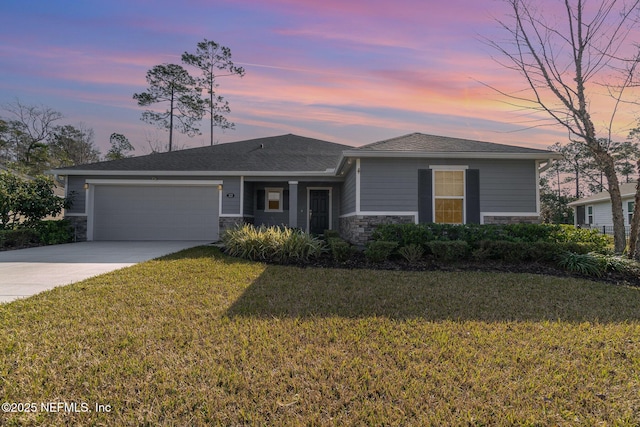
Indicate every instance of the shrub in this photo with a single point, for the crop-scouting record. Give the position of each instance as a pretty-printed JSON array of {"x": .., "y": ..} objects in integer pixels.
[
  {"x": 406, "y": 234},
  {"x": 341, "y": 250},
  {"x": 449, "y": 251},
  {"x": 591, "y": 238},
  {"x": 543, "y": 251},
  {"x": 518, "y": 251},
  {"x": 586, "y": 264},
  {"x": 530, "y": 232},
  {"x": 512, "y": 242},
  {"x": 496, "y": 250},
  {"x": 412, "y": 252},
  {"x": 379, "y": 251},
  {"x": 331, "y": 234},
  {"x": 617, "y": 264},
  {"x": 403, "y": 234},
  {"x": 25, "y": 202},
  {"x": 18, "y": 238},
  {"x": 298, "y": 245},
  {"x": 575, "y": 247},
  {"x": 54, "y": 232},
  {"x": 271, "y": 243},
  {"x": 421, "y": 234}
]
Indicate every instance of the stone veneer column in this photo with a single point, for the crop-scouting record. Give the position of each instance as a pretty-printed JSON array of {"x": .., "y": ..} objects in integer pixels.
[
  {"x": 511, "y": 220},
  {"x": 225, "y": 223},
  {"x": 79, "y": 224},
  {"x": 357, "y": 229}
]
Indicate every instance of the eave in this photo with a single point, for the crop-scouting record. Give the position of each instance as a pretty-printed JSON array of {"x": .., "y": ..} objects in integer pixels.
[
  {"x": 444, "y": 155},
  {"x": 71, "y": 172}
]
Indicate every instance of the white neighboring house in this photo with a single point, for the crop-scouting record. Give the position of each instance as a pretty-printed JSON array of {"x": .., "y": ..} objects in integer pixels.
[{"x": 595, "y": 211}]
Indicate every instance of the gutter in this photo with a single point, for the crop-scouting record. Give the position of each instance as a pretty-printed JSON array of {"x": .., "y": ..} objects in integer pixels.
[
  {"x": 450, "y": 155},
  {"x": 68, "y": 172}
]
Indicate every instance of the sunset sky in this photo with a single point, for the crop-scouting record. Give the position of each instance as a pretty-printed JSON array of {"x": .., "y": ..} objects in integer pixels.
[{"x": 352, "y": 72}]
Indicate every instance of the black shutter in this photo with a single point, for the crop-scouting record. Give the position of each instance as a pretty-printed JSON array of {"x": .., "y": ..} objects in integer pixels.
[
  {"x": 425, "y": 196},
  {"x": 285, "y": 202},
  {"x": 260, "y": 205},
  {"x": 472, "y": 193}
]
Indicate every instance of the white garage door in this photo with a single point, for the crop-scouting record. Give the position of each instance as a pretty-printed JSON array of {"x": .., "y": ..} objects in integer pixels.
[{"x": 155, "y": 212}]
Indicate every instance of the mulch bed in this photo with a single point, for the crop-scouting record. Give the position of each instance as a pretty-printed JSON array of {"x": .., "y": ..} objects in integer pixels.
[{"x": 359, "y": 261}]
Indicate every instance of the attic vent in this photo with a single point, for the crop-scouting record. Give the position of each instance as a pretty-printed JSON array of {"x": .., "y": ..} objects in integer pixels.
[{"x": 261, "y": 145}]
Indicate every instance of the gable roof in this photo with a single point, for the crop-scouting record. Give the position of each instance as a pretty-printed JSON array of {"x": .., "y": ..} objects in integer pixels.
[
  {"x": 434, "y": 145},
  {"x": 297, "y": 155},
  {"x": 627, "y": 190},
  {"x": 284, "y": 153}
]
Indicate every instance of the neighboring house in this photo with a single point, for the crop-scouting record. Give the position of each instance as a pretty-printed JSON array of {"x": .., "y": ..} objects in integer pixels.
[
  {"x": 314, "y": 185},
  {"x": 595, "y": 211}
]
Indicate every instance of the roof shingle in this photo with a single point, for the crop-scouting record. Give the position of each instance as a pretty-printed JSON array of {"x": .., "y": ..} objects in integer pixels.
[
  {"x": 287, "y": 153},
  {"x": 419, "y": 142}
]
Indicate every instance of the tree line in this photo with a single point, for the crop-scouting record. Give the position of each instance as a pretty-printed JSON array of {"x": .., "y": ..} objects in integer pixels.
[{"x": 32, "y": 140}]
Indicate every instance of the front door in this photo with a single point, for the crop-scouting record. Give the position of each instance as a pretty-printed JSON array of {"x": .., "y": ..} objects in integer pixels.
[{"x": 318, "y": 211}]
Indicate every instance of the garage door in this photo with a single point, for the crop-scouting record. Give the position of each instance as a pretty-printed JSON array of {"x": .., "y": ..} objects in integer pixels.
[{"x": 155, "y": 212}]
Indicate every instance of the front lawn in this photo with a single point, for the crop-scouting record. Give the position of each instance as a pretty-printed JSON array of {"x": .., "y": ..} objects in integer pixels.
[{"x": 199, "y": 338}]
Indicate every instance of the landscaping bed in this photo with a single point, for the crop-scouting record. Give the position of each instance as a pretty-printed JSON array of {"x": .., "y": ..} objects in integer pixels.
[
  {"x": 359, "y": 261},
  {"x": 554, "y": 250}
]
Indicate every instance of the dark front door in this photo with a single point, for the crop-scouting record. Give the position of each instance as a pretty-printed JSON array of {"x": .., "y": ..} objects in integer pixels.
[{"x": 318, "y": 211}]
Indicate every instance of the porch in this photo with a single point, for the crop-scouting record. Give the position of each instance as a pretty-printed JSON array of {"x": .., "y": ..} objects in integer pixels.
[{"x": 312, "y": 206}]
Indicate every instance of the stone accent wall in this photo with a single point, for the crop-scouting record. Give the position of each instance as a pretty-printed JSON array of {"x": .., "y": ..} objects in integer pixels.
[
  {"x": 358, "y": 229},
  {"x": 79, "y": 224},
  {"x": 229, "y": 222},
  {"x": 511, "y": 219}
]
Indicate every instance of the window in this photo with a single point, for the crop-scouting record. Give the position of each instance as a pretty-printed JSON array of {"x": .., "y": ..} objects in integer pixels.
[
  {"x": 449, "y": 196},
  {"x": 590, "y": 215},
  {"x": 273, "y": 200},
  {"x": 630, "y": 207}
]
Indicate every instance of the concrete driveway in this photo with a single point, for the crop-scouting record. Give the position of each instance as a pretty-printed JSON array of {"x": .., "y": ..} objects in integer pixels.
[{"x": 26, "y": 272}]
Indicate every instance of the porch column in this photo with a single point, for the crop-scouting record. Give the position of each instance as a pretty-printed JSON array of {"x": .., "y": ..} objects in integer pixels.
[{"x": 293, "y": 204}]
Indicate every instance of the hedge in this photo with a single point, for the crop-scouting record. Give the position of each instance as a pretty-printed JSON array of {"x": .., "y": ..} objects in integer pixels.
[
  {"x": 473, "y": 234},
  {"x": 41, "y": 233}
]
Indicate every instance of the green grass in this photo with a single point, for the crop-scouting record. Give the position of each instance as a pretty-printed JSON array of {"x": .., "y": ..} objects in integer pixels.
[{"x": 198, "y": 338}]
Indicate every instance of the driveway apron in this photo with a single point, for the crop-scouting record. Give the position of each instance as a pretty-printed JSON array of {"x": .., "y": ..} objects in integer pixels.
[{"x": 26, "y": 272}]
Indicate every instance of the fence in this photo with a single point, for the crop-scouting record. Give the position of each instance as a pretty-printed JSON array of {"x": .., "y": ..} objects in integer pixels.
[{"x": 608, "y": 229}]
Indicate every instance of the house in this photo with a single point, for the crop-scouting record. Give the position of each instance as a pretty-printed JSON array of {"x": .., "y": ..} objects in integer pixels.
[
  {"x": 196, "y": 194},
  {"x": 595, "y": 211}
]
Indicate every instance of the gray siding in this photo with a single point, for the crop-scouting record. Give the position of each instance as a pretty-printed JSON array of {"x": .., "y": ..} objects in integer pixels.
[
  {"x": 269, "y": 218},
  {"x": 78, "y": 193},
  {"x": 508, "y": 186},
  {"x": 231, "y": 205},
  {"x": 348, "y": 196},
  {"x": 391, "y": 185}
]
